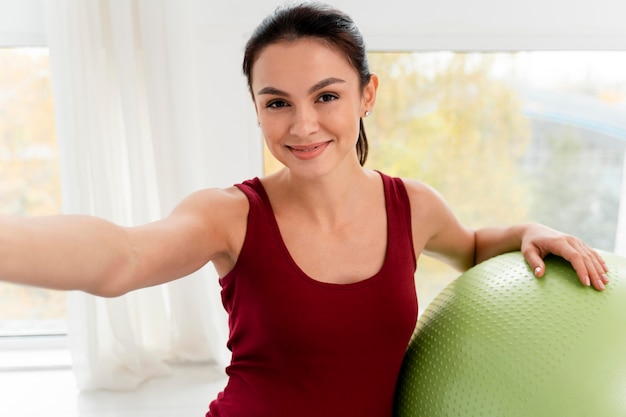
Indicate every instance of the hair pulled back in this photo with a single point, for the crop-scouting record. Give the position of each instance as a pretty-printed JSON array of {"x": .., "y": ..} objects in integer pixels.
[{"x": 319, "y": 21}]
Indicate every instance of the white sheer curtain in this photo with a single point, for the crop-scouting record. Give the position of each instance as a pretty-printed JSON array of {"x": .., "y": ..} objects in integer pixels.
[{"x": 132, "y": 143}]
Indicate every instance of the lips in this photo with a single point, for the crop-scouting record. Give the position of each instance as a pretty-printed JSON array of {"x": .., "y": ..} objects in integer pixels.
[
  {"x": 309, "y": 148},
  {"x": 308, "y": 151}
]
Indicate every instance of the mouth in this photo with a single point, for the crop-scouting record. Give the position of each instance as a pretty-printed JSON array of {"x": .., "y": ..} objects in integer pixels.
[
  {"x": 309, "y": 148},
  {"x": 308, "y": 151}
]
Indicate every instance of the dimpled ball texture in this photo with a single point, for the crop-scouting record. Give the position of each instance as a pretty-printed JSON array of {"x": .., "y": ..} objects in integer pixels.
[{"x": 499, "y": 342}]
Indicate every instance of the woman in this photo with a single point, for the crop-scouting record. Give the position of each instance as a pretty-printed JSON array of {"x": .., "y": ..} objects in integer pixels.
[{"x": 317, "y": 260}]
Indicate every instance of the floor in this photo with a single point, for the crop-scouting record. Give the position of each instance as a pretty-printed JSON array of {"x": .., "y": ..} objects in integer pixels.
[{"x": 52, "y": 393}]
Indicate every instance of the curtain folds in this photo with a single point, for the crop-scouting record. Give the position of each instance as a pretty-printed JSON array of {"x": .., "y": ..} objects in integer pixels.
[{"x": 128, "y": 120}]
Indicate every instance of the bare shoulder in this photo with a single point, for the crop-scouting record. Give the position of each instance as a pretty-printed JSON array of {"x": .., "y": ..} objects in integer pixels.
[
  {"x": 427, "y": 206},
  {"x": 214, "y": 202},
  {"x": 430, "y": 213},
  {"x": 423, "y": 197},
  {"x": 220, "y": 213},
  {"x": 210, "y": 225},
  {"x": 436, "y": 230}
]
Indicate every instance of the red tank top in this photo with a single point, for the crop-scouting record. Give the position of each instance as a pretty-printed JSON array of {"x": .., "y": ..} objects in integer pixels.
[{"x": 301, "y": 347}]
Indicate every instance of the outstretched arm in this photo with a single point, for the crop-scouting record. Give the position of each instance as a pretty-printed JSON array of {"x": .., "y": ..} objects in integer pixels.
[
  {"x": 94, "y": 255},
  {"x": 64, "y": 252}
]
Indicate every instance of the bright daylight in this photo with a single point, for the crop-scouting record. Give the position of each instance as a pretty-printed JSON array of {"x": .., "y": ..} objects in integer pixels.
[{"x": 305, "y": 209}]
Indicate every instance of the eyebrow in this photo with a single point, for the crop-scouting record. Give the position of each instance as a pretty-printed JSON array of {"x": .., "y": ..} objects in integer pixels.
[{"x": 317, "y": 86}]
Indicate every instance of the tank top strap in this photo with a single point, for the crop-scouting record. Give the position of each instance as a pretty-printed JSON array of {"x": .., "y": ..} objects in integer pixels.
[
  {"x": 254, "y": 191},
  {"x": 261, "y": 214},
  {"x": 259, "y": 222},
  {"x": 398, "y": 214}
]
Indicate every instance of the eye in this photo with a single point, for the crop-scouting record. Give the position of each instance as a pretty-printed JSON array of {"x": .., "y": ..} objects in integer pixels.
[
  {"x": 276, "y": 104},
  {"x": 327, "y": 97}
]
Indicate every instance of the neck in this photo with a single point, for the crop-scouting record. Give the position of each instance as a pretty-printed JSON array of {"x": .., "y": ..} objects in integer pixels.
[{"x": 329, "y": 200}]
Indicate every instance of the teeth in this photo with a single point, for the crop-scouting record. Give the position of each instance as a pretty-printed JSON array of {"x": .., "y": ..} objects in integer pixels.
[{"x": 307, "y": 149}]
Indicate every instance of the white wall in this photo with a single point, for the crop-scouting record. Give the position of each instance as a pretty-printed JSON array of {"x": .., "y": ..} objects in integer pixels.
[
  {"x": 454, "y": 24},
  {"x": 494, "y": 24},
  {"x": 22, "y": 23}
]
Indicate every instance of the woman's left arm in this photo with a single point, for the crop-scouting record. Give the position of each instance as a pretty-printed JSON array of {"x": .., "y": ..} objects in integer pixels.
[
  {"x": 535, "y": 242},
  {"x": 438, "y": 233}
]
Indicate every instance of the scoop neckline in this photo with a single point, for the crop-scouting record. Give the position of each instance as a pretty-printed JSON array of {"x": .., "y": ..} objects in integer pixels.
[{"x": 300, "y": 272}]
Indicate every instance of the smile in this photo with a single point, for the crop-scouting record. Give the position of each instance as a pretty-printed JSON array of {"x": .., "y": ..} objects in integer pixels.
[{"x": 308, "y": 151}]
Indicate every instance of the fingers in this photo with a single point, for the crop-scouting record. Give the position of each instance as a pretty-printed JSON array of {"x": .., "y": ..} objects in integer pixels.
[
  {"x": 534, "y": 256},
  {"x": 589, "y": 265},
  {"x": 536, "y": 263},
  {"x": 597, "y": 271}
]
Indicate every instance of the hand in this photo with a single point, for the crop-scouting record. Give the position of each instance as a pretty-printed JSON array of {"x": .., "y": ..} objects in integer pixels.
[{"x": 539, "y": 241}]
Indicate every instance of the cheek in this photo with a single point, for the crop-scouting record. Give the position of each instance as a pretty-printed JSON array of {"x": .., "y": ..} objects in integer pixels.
[
  {"x": 272, "y": 132},
  {"x": 344, "y": 123},
  {"x": 345, "y": 115}
]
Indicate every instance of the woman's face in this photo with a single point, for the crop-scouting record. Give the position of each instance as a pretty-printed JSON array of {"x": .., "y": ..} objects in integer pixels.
[{"x": 309, "y": 102}]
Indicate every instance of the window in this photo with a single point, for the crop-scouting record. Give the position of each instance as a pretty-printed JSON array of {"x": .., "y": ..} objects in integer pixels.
[
  {"x": 506, "y": 138},
  {"x": 29, "y": 179}
]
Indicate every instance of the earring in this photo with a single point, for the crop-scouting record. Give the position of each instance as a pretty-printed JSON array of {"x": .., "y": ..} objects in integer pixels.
[
  {"x": 367, "y": 113},
  {"x": 258, "y": 124}
]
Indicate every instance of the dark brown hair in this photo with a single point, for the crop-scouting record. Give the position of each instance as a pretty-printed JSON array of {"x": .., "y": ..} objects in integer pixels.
[{"x": 315, "y": 20}]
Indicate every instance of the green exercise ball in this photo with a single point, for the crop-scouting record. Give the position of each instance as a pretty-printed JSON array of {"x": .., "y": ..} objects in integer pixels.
[{"x": 498, "y": 342}]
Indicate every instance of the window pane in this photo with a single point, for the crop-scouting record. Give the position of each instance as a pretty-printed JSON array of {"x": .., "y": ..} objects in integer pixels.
[
  {"x": 29, "y": 178},
  {"x": 506, "y": 137}
]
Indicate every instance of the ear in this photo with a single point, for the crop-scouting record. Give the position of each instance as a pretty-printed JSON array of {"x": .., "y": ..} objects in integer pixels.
[{"x": 369, "y": 93}]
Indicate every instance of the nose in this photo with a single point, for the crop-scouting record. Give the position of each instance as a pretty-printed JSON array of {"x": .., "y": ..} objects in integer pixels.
[{"x": 305, "y": 122}]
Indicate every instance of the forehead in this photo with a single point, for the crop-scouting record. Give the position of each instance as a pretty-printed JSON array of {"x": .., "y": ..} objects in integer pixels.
[{"x": 300, "y": 63}]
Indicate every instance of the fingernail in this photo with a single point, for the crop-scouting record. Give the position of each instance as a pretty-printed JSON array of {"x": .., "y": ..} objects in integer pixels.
[
  {"x": 601, "y": 285},
  {"x": 537, "y": 270},
  {"x": 587, "y": 281},
  {"x": 605, "y": 278}
]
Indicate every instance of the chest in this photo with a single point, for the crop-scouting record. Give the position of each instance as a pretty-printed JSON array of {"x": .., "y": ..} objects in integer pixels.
[{"x": 345, "y": 255}]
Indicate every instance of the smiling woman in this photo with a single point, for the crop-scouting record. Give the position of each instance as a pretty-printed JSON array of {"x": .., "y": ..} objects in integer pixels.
[
  {"x": 317, "y": 261},
  {"x": 315, "y": 116}
]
